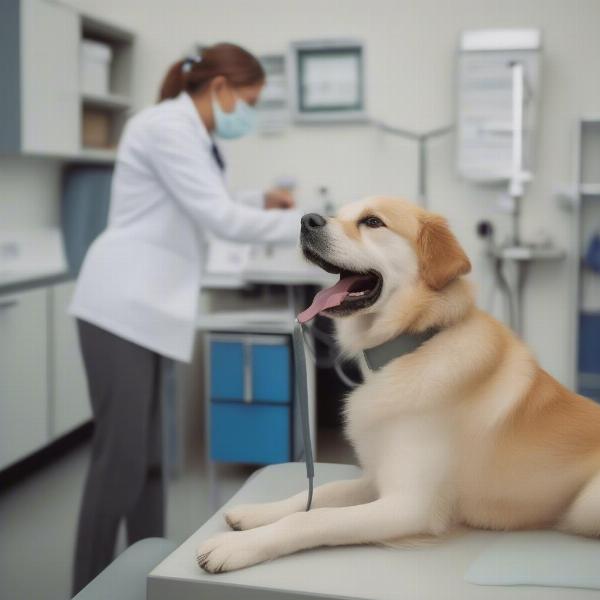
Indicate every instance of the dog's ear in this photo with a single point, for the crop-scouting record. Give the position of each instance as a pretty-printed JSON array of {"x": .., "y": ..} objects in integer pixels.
[{"x": 441, "y": 258}]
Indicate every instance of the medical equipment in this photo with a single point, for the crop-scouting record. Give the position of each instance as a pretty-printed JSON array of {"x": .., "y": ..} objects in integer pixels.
[
  {"x": 327, "y": 81},
  {"x": 235, "y": 124},
  {"x": 273, "y": 107},
  {"x": 498, "y": 77}
]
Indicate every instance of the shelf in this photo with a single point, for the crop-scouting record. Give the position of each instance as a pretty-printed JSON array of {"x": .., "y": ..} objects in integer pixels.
[
  {"x": 102, "y": 31},
  {"x": 96, "y": 155},
  {"x": 528, "y": 253},
  {"x": 108, "y": 101},
  {"x": 589, "y": 189},
  {"x": 569, "y": 197},
  {"x": 103, "y": 115}
]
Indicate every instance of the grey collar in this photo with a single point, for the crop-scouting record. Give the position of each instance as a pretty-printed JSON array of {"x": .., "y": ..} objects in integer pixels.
[{"x": 405, "y": 343}]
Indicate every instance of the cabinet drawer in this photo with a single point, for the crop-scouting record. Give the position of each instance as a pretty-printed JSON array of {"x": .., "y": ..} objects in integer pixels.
[
  {"x": 250, "y": 369},
  {"x": 23, "y": 375},
  {"x": 271, "y": 372},
  {"x": 227, "y": 370},
  {"x": 250, "y": 433}
]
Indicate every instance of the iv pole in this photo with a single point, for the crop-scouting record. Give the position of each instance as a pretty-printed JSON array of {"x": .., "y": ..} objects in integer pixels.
[
  {"x": 421, "y": 139},
  {"x": 516, "y": 190},
  {"x": 521, "y": 255}
]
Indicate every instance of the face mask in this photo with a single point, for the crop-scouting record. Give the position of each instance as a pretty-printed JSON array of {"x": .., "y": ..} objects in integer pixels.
[{"x": 235, "y": 124}]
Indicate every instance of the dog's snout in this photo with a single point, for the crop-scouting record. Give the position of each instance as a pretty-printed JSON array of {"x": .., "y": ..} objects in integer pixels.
[{"x": 313, "y": 221}]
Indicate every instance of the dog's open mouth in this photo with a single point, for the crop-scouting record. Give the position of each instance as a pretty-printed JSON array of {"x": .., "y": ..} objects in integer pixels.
[{"x": 354, "y": 290}]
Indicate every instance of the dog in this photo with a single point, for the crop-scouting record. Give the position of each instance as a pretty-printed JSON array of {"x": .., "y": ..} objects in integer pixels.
[{"x": 466, "y": 430}]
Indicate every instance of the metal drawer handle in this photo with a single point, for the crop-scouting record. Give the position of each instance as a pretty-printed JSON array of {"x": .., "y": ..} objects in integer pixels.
[
  {"x": 247, "y": 372},
  {"x": 8, "y": 303}
]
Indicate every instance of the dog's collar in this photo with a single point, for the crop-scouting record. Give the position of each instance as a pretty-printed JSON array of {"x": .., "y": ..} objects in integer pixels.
[{"x": 405, "y": 343}]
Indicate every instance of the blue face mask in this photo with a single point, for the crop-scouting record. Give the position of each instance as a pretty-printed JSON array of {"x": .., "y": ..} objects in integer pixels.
[{"x": 235, "y": 124}]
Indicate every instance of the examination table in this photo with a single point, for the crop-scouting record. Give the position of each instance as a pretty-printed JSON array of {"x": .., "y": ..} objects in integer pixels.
[{"x": 449, "y": 569}]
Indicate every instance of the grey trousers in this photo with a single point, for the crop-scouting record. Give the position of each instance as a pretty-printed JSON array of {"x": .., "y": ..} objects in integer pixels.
[{"x": 125, "y": 477}]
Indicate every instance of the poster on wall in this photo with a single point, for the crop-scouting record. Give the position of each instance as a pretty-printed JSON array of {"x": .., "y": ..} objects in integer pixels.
[{"x": 328, "y": 81}]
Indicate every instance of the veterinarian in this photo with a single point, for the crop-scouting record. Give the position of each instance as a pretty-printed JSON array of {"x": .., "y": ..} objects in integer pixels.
[{"x": 136, "y": 298}]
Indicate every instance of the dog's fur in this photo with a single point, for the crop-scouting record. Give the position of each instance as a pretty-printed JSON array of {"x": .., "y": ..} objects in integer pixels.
[{"x": 466, "y": 430}]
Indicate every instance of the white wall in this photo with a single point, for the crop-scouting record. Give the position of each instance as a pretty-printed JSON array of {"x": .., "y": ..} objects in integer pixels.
[{"x": 411, "y": 56}]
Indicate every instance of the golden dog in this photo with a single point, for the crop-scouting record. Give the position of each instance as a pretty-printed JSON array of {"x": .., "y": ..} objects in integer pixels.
[{"x": 466, "y": 430}]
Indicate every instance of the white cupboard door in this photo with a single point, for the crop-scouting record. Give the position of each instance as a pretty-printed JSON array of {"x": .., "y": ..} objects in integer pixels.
[
  {"x": 70, "y": 402},
  {"x": 51, "y": 111},
  {"x": 23, "y": 375}
]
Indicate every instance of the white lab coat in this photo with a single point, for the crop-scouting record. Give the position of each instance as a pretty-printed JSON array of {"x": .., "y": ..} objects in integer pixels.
[{"x": 141, "y": 277}]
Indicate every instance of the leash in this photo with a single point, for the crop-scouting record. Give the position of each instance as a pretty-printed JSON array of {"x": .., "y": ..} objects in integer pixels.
[
  {"x": 302, "y": 395},
  {"x": 376, "y": 358}
]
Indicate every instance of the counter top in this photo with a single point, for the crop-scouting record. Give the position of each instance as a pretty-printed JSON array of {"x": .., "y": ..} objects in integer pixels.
[
  {"x": 11, "y": 282},
  {"x": 273, "y": 277},
  {"x": 276, "y": 320}
]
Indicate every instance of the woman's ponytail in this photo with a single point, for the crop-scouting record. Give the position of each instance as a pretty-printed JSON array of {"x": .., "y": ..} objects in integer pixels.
[
  {"x": 174, "y": 82},
  {"x": 233, "y": 62}
]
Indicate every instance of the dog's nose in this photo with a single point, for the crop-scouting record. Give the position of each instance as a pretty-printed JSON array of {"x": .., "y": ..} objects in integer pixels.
[{"x": 313, "y": 221}]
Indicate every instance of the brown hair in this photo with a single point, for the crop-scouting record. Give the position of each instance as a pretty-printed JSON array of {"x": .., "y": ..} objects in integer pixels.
[{"x": 236, "y": 64}]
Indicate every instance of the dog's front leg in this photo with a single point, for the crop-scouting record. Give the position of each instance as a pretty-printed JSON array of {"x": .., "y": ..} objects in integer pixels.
[
  {"x": 387, "y": 518},
  {"x": 337, "y": 493}
]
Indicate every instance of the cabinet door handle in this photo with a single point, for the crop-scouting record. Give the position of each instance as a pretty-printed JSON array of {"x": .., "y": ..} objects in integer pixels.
[
  {"x": 8, "y": 303},
  {"x": 247, "y": 373}
]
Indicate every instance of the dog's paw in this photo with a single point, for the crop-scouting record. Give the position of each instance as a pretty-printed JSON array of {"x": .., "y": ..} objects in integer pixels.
[
  {"x": 250, "y": 516},
  {"x": 230, "y": 551}
]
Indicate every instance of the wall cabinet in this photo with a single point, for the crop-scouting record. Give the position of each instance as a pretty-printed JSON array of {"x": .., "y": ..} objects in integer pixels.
[
  {"x": 23, "y": 375},
  {"x": 42, "y": 103},
  {"x": 39, "y": 106}
]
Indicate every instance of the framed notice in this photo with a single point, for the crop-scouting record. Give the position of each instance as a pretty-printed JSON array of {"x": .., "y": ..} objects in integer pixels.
[{"x": 328, "y": 81}]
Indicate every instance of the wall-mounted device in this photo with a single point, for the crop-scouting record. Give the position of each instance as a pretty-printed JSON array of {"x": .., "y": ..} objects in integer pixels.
[
  {"x": 327, "y": 81},
  {"x": 498, "y": 80},
  {"x": 272, "y": 108}
]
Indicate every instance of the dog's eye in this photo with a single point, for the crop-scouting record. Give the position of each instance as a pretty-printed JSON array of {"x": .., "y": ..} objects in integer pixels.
[{"x": 372, "y": 221}]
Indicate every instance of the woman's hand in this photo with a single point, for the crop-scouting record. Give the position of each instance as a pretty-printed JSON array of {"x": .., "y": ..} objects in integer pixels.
[{"x": 279, "y": 198}]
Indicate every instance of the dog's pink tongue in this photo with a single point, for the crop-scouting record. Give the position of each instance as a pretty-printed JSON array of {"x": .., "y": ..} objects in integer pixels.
[{"x": 328, "y": 298}]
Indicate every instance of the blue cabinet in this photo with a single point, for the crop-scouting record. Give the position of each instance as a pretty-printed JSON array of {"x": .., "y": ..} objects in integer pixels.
[
  {"x": 250, "y": 398},
  {"x": 271, "y": 372},
  {"x": 589, "y": 355},
  {"x": 226, "y": 370}
]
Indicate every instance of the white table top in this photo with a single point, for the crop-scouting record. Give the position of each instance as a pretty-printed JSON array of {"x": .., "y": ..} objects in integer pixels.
[
  {"x": 267, "y": 264},
  {"x": 247, "y": 277},
  {"x": 428, "y": 572},
  {"x": 248, "y": 321}
]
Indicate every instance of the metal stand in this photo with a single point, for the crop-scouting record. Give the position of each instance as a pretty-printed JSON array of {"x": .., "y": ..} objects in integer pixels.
[
  {"x": 516, "y": 189},
  {"x": 421, "y": 139},
  {"x": 512, "y": 287}
]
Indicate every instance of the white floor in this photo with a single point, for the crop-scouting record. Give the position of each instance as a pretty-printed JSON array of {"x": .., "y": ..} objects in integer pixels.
[{"x": 38, "y": 517}]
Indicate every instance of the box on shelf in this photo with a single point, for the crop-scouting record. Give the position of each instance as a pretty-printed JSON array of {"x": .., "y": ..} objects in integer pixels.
[
  {"x": 96, "y": 126},
  {"x": 95, "y": 62}
]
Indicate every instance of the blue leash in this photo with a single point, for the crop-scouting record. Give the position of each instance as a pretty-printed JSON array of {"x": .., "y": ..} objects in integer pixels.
[{"x": 302, "y": 395}]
